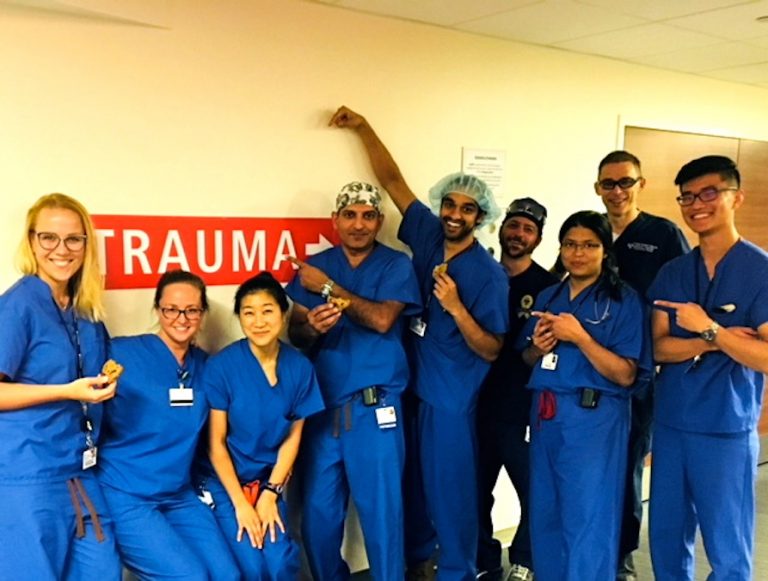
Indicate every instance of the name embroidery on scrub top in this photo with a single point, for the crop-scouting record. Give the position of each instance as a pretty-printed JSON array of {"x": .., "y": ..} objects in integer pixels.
[{"x": 90, "y": 454}]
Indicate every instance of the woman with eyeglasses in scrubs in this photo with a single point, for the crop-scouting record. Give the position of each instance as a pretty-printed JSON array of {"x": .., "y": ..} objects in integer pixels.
[
  {"x": 149, "y": 442},
  {"x": 260, "y": 390},
  {"x": 52, "y": 348},
  {"x": 585, "y": 343}
]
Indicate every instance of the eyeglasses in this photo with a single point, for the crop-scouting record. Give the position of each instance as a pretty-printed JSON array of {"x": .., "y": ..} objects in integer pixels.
[
  {"x": 623, "y": 183},
  {"x": 191, "y": 313},
  {"x": 571, "y": 246},
  {"x": 705, "y": 195},
  {"x": 51, "y": 241}
]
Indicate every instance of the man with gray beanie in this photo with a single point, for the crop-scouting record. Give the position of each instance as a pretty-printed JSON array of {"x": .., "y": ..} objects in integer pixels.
[
  {"x": 452, "y": 345},
  {"x": 504, "y": 407},
  {"x": 350, "y": 307}
]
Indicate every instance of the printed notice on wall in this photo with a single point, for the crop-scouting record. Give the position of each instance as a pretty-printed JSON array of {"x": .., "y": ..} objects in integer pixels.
[{"x": 487, "y": 164}]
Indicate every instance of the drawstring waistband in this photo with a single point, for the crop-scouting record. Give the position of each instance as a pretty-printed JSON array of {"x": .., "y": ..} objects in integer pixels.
[
  {"x": 347, "y": 407},
  {"x": 76, "y": 488}
]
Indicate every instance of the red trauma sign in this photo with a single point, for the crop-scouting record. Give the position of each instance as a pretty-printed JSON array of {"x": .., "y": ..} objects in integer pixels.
[{"x": 134, "y": 250}]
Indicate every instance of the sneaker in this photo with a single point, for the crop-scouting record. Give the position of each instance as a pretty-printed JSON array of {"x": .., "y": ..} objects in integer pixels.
[
  {"x": 491, "y": 575},
  {"x": 424, "y": 571},
  {"x": 519, "y": 573},
  {"x": 626, "y": 571}
]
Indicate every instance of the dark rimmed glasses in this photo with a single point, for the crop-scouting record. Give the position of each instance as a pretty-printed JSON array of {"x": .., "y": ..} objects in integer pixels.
[
  {"x": 623, "y": 183},
  {"x": 705, "y": 195},
  {"x": 191, "y": 313},
  {"x": 51, "y": 241}
]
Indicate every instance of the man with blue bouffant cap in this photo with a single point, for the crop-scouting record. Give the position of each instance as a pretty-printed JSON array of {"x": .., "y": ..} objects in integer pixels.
[{"x": 452, "y": 344}]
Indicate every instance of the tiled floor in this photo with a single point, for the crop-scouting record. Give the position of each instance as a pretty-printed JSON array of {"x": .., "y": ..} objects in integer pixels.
[{"x": 643, "y": 560}]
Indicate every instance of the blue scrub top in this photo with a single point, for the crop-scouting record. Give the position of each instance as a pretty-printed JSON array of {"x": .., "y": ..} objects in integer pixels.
[
  {"x": 37, "y": 347},
  {"x": 147, "y": 445},
  {"x": 446, "y": 372},
  {"x": 616, "y": 325},
  {"x": 260, "y": 416},
  {"x": 718, "y": 395},
  {"x": 352, "y": 356}
]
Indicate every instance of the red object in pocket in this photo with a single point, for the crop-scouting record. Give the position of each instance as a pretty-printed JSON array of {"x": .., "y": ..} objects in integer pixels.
[{"x": 251, "y": 491}]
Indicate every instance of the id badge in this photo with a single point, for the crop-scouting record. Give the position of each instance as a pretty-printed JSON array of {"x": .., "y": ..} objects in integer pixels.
[
  {"x": 549, "y": 361},
  {"x": 90, "y": 457},
  {"x": 418, "y": 326},
  {"x": 386, "y": 417},
  {"x": 181, "y": 396}
]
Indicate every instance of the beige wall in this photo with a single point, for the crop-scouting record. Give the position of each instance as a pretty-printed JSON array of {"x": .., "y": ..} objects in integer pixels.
[{"x": 224, "y": 113}]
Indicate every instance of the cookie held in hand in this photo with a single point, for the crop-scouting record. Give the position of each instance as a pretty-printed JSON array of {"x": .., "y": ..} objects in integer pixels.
[
  {"x": 112, "y": 369},
  {"x": 339, "y": 302}
]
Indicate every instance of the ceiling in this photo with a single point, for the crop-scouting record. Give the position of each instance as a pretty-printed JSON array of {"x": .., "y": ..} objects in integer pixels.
[{"x": 722, "y": 39}]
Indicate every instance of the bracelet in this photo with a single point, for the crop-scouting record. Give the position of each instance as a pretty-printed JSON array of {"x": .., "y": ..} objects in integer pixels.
[{"x": 327, "y": 288}]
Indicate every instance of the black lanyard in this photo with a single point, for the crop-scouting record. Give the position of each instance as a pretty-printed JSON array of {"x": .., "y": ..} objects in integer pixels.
[{"x": 74, "y": 339}]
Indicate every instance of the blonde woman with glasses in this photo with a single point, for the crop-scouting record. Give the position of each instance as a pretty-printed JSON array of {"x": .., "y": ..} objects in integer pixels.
[{"x": 52, "y": 348}]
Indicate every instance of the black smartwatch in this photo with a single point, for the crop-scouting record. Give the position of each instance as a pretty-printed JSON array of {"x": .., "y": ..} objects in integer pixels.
[{"x": 276, "y": 489}]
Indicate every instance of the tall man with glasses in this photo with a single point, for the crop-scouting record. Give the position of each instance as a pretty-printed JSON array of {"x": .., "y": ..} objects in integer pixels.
[
  {"x": 452, "y": 345},
  {"x": 357, "y": 445},
  {"x": 643, "y": 243},
  {"x": 710, "y": 331},
  {"x": 503, "y": 409}
]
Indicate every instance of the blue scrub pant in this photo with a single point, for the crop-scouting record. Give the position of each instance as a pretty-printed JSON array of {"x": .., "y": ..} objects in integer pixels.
[
  {"x": 39, "y": 541},
  {"x": 345, "y": 450},
  {"x": 638, "y": 449},
  {"x": 441, "y": 505},
  {"x": 502, "y": 444},
  {"x": 578, "y": 459},
  {"x": 706, "y": 480},
  {"x": 276, "y": 561},
  {"x": 173, "y": 538}
]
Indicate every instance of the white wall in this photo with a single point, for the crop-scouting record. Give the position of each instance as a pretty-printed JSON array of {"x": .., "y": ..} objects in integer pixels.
[{"x": 224, "y": 113}]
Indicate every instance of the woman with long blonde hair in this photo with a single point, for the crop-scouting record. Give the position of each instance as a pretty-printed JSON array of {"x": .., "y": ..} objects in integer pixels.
[{"x": 52, "y": 348}]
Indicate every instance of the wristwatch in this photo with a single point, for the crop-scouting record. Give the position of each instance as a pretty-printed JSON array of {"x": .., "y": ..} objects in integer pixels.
[
  {"x": 276, "y": 489},
  {"x": 327, "y": 289},
  {"x": 710, "y": 332}
]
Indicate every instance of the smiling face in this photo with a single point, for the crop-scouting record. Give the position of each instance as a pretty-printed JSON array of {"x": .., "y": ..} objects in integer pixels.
[
  {"x": 177, "y": 329},
  {"x": 57, "y": 266},
  {"x": 582, "y": 254},
  {"x": 519, "y": 236},
  {"x": 261, "y": 319},
  {"x": 619, "y": 201},
  {"x": 460, "y": 215},
  {"x": 357, "y": 225},
  {"x": 710, "y": 217}
]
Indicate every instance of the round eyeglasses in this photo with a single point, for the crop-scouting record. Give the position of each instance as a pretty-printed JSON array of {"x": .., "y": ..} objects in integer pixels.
[{"x": 51, "y": 241}]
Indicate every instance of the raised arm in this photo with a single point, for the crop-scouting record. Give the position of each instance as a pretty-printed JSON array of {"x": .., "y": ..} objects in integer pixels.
[{"x": 382, "y": 162}]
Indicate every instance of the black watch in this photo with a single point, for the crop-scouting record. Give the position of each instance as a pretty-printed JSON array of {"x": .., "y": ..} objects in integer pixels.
[
  {"x": 710, "y": 332},
  {"x": 276, "y": 489}
]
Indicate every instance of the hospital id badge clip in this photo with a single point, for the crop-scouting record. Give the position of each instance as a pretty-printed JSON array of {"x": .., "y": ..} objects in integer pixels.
[
  {"x": 90, "y": 457},
  {"x": 418, "y": 326},
  {"x": 386, "y": 417},
  {"x": 549, "y": 361},
  {"x": 181, "y": 396}
]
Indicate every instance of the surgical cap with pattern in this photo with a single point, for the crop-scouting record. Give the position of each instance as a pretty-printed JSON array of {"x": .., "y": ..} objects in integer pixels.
[{"x": 358, "y": 193}]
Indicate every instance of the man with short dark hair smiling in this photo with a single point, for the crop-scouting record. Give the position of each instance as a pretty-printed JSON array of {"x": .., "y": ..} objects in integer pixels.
[
  {"x": 710, "y": 331},
  {"x": 643, "y": 243}
]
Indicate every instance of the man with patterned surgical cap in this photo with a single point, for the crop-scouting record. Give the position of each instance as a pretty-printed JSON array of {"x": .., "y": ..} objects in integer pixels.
[
  {"x": 350, "y": 304},
  {"x": 452, "y": 345},
  {"x": 504, "y": 407}
]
